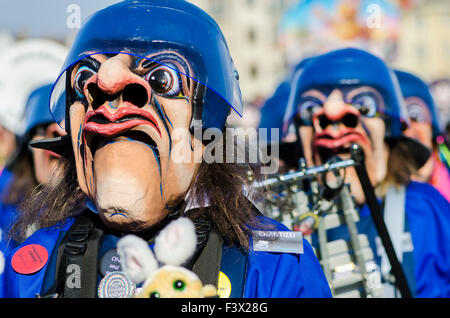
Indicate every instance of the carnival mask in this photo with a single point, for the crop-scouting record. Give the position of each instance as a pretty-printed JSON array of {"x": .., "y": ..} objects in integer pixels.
[
  {"x": 45, "y": 162},
  {"x": 421, "y": 129},
  {"x": 334, "y": 119},
  {"x": 129, "y": 123},
  {"x": 420, "y": 121}
]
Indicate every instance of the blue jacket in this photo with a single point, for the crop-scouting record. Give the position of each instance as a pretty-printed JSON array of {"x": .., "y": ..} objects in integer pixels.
[
  {"x": 275, "y": 275},
  {"x": 427, "y": 218},
  {"x": 8, "y": 214}
]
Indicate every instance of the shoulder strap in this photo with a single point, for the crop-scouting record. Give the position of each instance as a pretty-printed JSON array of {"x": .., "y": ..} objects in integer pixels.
[
  {"x": 394, "y": 218},
  {"x": 208, "y": 262},
  {"x": 217, "y": 257},
  {"x": 76, "y": 273},
  {"x": 234, "y": 266}
]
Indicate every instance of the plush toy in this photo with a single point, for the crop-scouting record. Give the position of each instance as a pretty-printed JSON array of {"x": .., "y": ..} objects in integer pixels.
[{"x": 173, "y": 246}]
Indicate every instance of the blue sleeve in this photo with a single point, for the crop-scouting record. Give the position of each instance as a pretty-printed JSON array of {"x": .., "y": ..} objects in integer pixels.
[
  {"x": 15, "y": 285},
  {"x": 284, "y": 275},
  {"x": 428, "y": 213},
  {"x": 8, "y": 214}
]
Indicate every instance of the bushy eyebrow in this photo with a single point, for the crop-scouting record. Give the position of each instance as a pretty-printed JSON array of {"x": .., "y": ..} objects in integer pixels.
[
  {"x": 90, "y": 62},
  {"x": 313, "y": 93},
  {"x": 159, "y": 58}
]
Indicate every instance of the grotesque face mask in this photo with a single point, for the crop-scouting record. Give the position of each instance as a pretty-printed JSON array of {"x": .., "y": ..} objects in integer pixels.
[
  {"x": 44, "y": 161},
  {"x": 129, "y": 124},
  {"x": 423, "y": 116},
  {"x": 133, "y": 95},
  {"x": 334, "y": 118},
  {"x": 420, "y": 121},
  {"x": 421, "y": 129}
]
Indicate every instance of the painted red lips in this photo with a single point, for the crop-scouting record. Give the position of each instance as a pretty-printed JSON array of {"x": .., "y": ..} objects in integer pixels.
[
  {"x": 338, "y": 140},
  {"x": 104, "y": 123}
]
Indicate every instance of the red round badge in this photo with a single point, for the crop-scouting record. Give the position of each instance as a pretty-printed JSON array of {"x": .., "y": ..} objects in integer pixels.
[{"x": 29, "y": 259}]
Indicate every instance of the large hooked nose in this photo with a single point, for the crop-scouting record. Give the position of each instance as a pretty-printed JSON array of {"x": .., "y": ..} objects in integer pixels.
[
  {"x": 336, "y": 113},
  {"x": 117, "y": 84}
]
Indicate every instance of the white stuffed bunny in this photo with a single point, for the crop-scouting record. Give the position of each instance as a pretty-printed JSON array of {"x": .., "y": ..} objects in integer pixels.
[{"x": 174, "y": 245}]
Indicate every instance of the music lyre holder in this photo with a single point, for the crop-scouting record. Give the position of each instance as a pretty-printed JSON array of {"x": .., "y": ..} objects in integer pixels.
[
  {"x": 294, "y": 177},
  {"x": 356, "y": 161}
]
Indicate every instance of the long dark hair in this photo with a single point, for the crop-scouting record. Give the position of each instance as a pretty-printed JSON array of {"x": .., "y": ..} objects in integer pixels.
[
  {"x": 23, "y": 181},
  {"x": 400, "y": 167},
  {"x": 217, "y": 185}
]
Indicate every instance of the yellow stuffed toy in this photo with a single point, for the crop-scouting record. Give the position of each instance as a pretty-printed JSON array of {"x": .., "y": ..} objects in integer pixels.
[{"x": 174, "y": 245}]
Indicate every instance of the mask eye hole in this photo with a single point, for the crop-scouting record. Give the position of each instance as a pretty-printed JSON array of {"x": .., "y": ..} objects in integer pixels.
[
  {"x": 179, "y": 285},
  {"x": 154, "y": 294},
  {"x": 165, "y": 80},
  {"x": 367, "y": 104},
  {"x": 83, "y": 74},
  {"x": 308, "y": 106}
]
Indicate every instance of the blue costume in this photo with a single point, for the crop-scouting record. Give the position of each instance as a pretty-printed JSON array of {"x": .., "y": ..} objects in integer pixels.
[
  {"x": 267, "y": 274},
  {"x": 36, "y": 113},
  {"x": 427, "y": 265},
  {"x": 426, "y": 262},
  {"x": 8, "y": 213}
]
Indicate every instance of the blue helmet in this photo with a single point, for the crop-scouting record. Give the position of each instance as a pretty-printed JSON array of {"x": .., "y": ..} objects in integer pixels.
[
  {"x": 274, "y": 109},
  {"x": 36, "y": 113},
  {"x": 142, "y": 27},
  {"x": 36, "y": 109},
  {"x": 351, "y": 66},
  {"x": 412, "y": 85}
]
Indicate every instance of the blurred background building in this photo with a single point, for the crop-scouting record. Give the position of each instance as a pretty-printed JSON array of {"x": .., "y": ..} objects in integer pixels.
[
  {"x": 424, "y": 41},
  {"x": 267, "y": 37},
  {"x": 251, "y": 30}
]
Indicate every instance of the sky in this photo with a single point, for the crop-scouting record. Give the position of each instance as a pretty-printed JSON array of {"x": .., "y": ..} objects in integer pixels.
[{"x": 46, "y": 18}]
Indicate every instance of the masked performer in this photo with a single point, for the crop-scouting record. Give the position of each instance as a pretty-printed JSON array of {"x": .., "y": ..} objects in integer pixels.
[
  {"x": 25, "y": 66},
  {"x": 425, "y": 127},
  {"x": 272, "y": 116},
  {"x": 135, "y": 94},
  {"x": 28, "y": 167},
  {"x": 350, "y": 96}
]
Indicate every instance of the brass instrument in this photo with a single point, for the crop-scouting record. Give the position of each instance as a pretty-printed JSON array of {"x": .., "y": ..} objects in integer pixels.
[{"x": 301, "y": 197}]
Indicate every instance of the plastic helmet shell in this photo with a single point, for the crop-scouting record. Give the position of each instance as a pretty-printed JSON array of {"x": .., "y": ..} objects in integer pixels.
[
  {"x": 152, "y": 26},
  {"x": 412, "y": 85},
  {"x": 354, "y": 67},
  {"x": 36, "y": 111}
]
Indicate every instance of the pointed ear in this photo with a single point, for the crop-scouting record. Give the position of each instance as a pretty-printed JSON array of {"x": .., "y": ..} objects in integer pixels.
[
  {"x": 176, "y": 243},
  {"x": 136, "y": 258}
]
